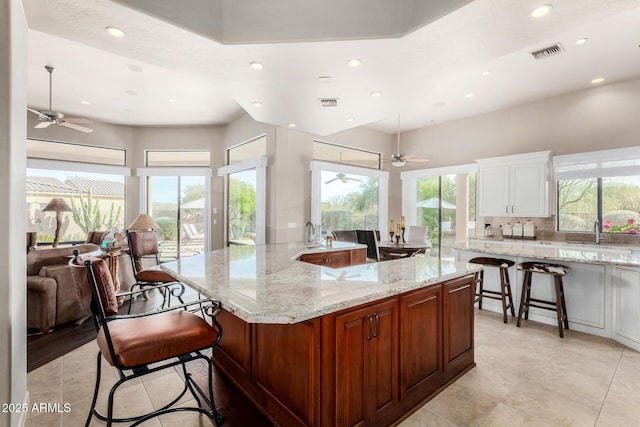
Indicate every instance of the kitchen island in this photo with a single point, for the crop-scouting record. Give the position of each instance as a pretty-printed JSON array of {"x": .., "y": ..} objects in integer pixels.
[{"x": 364, "y": 344}]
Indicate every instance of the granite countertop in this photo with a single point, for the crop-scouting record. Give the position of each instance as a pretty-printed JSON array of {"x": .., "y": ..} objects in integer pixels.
[
  {"x": 266, "y": 284},
  {"x": 557, "y": 251}
]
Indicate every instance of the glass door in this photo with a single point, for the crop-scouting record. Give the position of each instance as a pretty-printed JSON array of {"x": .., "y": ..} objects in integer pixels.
[
  {"x": 178, "y": 205},
  {"x": 241, "y": 226}
]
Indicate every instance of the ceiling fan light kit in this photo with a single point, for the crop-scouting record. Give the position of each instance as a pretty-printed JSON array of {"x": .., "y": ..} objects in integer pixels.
[
  {"x": 399, "y": 160},
  {"x": 50, "y": 117}
]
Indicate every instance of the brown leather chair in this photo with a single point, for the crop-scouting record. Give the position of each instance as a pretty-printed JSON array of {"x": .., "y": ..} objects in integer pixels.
[
  {"x": 145, "y": 343},
  {"x": 144, "y": 252}
]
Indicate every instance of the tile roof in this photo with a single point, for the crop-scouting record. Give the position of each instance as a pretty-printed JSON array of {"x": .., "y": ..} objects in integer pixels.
[{"x": 43, "y": 184}]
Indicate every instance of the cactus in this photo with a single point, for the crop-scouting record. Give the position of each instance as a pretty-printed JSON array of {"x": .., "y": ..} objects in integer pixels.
[{"x": 88, "y": 215}]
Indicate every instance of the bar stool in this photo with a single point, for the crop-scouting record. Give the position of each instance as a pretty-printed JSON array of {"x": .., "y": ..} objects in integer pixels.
[
  {"x": 559, "y": 306},
  {"x": 505, "y": 286}
]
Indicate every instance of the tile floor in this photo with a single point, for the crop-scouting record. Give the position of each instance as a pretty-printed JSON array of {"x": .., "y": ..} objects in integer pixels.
[{"x": 524, "y": 377}]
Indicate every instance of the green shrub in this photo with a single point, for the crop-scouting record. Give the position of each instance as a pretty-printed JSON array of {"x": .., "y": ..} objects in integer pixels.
[{"x": 168, "y": 228}]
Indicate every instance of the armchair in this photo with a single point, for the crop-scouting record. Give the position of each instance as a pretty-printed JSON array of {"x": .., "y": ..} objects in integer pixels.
[{"x": 145, "y": 343}]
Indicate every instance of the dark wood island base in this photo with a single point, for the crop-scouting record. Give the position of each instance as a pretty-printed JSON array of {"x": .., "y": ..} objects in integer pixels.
[{"x": 370, "y": 365}]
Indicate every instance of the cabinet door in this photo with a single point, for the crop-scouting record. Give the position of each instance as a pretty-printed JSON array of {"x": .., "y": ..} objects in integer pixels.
[
  {"x": 458, "y": 322},
  {"x": 338, "y": 259},
  {"x": 366, "y": 363},
  {"x": 494, "y": 190},
  {"x": 529, "y": 195},
  {"x": 627, "y": 306},
  {"x": 420, "y": 341}
]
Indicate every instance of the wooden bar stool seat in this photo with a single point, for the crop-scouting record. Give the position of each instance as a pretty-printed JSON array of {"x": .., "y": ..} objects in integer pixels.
[
  {"x": 505, "y": 286},
  {"x": 558, "y": 271}
]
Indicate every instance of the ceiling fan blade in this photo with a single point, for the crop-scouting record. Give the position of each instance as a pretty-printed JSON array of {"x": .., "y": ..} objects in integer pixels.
[
  {"x": 43, "y": 125},
  {"x": 331, "y": 180},
  {"x": 416, "y": 160},
  {"x": 38, "y": 113},
  {"x": 75, "y": 127},
  {"x": 78, "y": 120}
]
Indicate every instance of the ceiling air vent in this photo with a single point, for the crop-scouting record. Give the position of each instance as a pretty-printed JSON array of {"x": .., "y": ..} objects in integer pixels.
[
  {"x": 329, "y": 102},
  {"x": 547, "y": 51}
]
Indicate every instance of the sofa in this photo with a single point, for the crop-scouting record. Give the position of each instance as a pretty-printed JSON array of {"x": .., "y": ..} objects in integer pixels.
[{"x": 52, "y": 296}]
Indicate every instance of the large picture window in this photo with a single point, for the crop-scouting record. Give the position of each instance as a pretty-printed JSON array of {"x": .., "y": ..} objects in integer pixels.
[{"x": 599, "y": 189}]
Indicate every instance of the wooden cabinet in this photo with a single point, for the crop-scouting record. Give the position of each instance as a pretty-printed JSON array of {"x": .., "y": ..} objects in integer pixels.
[
  {"x": 420, "y": 342},
  {"x": 366, "y": 363},
  {"x": 514, "y": 185},
  {"x": 363, "y": 366},
  {"x": 458, "y": 323},
  {"x": 336, "y": 259}
]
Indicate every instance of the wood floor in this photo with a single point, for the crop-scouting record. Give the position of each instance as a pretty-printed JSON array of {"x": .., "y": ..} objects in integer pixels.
[{"x": 236, "y": 408}]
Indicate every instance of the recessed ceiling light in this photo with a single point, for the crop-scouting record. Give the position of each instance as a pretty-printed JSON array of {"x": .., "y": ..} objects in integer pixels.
[
  {"x": 376, "y": 94},
  {"x": 256, "y": 104},
  {"x": 541, "y": 11},
  {"x": 131, "y": 92},
  {"x": 351, "y": 119},
  {"x": 439, "y": 104},
  {"x": 291, "y": 125},
  {"x": 129, "y": 110},
  {"x": 135, "y": 68},
  {"x": 597, "y": 80},
  {"x": 173, "y": 100},
  {"x": 85, "y": 102},
  {"x": 354, "y": 62},
  {"x": 324, "y": 79},
  {"x": 582, "y": 40},
  {"x": 256, "y": 65},
  {"x": 486, "y": 73},
  {"x": 115, "y": 32},
  {"x": 469, "y": 95}
]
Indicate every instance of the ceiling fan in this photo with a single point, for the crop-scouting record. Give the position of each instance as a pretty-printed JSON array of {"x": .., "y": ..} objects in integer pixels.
[
  {"x": 398, "y": 160},
  {"x": 342, "y": 177},
  {"x": 50, "y": 117}
]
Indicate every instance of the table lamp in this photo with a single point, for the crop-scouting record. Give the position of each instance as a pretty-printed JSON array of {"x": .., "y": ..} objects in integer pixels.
[
  {"x": 144, "y": 222},
  {"x": 57, "y": 205}
]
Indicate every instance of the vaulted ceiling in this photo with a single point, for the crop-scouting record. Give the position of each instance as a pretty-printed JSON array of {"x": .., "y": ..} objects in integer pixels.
[{"x": 182, "y": 63}]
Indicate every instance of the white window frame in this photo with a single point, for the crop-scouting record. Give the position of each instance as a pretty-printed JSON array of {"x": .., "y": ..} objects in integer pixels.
[
  {"x": 181, "y": 171},
  {"x": 317, "y": 167},
  {"x": 260, "y": 165}
]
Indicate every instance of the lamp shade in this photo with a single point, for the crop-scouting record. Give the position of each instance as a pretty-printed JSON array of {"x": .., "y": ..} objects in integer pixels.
[
  {"x": 57, "y": 204},
  {"x": 144, "y": 222}
]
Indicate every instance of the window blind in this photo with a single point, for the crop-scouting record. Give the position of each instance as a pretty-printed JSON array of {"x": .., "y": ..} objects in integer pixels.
[{"x": 597, "y": 164}]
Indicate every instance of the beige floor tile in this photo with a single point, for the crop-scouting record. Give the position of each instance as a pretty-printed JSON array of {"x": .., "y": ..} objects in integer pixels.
[
  {"x": 164, "y": 389},
  {"x": 505, "y": 416},
  {"x": 463, "y": 406},
  {"x": 44, "y": 420},
  {"x": 186, "y": 418},
  {"x": 554, "y": 408},
  {"x": 424, "y": 417}
]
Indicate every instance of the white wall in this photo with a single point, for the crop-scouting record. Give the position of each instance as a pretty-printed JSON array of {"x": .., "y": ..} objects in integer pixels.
[
  {"x": 595, "y": 119},
  {"x": 13, "y": 103}
]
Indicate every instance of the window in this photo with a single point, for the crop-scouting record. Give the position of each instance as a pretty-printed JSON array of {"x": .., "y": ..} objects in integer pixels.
[
  {"x": 97, "y": 200},
  {"x": 431, "y": 198},
  {"x": 175, "y": 192},
  {"x": 328, "y": 152},
  {"x": 247, "y": 150},
  {"x": 601, "y": 186},
  {"x": 348, "y": 197}
]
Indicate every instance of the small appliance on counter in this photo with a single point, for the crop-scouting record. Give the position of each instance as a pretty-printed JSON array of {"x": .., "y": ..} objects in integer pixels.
[
  {"x": 507, "y": 231},
  {"x": 529, "y": 230},
  {"x": 517, "y": 230}
]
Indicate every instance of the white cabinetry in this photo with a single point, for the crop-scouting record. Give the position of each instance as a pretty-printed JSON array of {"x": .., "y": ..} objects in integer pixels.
[
  {"x": 514, "y": 185},
  {"x": 626, "y": 306}
]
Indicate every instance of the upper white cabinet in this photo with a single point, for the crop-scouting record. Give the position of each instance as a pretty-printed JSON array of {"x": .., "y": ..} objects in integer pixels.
[{"x": 514, "y": 185}]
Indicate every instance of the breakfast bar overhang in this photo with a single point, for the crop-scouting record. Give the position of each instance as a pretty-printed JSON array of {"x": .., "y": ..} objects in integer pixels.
[{"x": 311, "y": 345}]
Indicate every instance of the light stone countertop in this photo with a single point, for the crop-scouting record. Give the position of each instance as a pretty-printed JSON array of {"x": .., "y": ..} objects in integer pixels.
[
  {"x": 266, "y": 284},
  {"x": 557, "y": 251}
]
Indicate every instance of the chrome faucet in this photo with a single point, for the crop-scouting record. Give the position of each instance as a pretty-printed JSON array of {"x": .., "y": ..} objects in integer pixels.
[{"x": 596, "y": 229}]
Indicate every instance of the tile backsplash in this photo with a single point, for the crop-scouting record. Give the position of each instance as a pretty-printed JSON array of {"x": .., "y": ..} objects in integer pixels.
[{"x": 546, "y": 230}]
